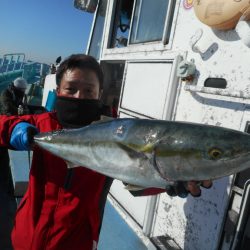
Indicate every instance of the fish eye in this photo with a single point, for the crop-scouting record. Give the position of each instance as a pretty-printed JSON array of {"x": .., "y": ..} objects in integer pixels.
[{"x": 215, "y": 153}]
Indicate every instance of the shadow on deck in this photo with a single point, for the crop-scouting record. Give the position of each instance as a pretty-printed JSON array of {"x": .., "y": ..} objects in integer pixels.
[{"x": 7, "y": 201}]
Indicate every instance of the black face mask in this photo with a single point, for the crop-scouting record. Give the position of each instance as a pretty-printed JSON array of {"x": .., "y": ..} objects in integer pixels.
[{"x": 75, "y": 113}]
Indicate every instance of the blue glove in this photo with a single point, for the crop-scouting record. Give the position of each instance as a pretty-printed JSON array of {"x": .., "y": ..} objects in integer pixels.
[{"x": 22, "y": 136}]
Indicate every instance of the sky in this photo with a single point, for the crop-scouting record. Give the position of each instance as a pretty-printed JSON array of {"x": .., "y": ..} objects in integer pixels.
[{"x": 43, "y": 29}]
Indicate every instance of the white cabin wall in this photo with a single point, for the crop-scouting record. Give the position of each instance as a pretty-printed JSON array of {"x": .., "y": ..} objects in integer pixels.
[
  {"x": 196, "y": 223},
  {"x": 49, "y": 85},
  {"x": 230, "y": 58}
]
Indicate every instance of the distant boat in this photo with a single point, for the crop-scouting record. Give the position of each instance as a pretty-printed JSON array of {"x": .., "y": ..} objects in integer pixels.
[{"x": 14, "y": 65}]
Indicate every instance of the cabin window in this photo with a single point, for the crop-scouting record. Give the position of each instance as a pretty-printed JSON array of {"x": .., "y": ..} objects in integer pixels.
[
  {"x": 141, "y": 21},
  {"x": 121, "y": 23},
  {"x": 96, "y": 39},
  {"x": 149, "y": 20}
]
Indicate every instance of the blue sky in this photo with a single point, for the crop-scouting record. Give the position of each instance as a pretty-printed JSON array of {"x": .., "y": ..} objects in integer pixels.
[{"x": 43, "y": 29}]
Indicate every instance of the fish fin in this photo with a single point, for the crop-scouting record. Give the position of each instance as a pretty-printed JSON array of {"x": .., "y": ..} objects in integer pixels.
[
  {"x": 131, "y": 187},
  {"x": 147, "y": 148},
  {"x": 71, "y": 165},
  {"x": 132, "y": 151},
  {"x": 103, "y": 118}
]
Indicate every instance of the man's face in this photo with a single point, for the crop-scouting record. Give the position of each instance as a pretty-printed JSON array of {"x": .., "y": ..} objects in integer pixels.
[{"x": 79, "y": 83}]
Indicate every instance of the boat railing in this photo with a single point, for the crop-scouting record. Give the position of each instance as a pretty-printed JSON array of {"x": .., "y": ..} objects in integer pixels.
[
  {"x": 11, "y": 66},
  {"x": 12, "y": 62}
]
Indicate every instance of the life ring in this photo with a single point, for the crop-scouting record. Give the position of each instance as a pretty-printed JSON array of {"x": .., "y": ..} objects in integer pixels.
[{"x": 220, "y": 14}]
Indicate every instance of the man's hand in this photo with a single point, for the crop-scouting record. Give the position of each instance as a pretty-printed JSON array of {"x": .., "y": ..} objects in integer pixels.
[
  {"x": 182, "y": 189},
  {"x": 194, "y": 187},
  {"x": 22, "y": 136}
]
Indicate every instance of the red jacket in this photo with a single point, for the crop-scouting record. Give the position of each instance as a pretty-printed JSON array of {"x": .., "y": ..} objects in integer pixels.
[{"x": 62, "y": 209}]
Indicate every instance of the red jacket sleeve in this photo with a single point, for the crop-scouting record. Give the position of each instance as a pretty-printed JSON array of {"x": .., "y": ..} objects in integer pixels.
[{"x": 7, "y": 124}]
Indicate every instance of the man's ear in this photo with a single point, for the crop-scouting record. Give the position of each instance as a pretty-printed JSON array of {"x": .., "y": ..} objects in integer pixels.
[
  {"x": 100, "y": 93},
  {"x": 57, "y": 90}
]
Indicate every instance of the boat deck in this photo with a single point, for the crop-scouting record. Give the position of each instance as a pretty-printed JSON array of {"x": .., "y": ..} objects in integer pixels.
[{"x": 116, "y": 234}]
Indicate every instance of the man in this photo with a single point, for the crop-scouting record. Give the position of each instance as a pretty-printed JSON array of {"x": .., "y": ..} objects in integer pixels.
[
  {"x": 13, "y": 99},
  {"x": 11, "y": 103},
  {"x": 62, "y": 209}
]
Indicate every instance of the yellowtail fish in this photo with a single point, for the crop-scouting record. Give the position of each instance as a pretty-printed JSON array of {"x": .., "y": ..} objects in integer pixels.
[{"x": 151, "y": 153}]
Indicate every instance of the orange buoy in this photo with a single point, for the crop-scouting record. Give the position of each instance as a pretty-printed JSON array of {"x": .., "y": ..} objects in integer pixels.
[{"x": 220, "y": 14}]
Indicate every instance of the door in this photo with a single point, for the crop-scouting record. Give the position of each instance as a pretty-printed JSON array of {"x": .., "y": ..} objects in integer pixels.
[{"x": 149, "y": 90}]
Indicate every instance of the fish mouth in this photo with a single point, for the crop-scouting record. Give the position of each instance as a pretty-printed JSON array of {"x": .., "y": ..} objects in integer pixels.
[
  {"x": 47, "y": 136},
  {"x": 43, "y": 137}
]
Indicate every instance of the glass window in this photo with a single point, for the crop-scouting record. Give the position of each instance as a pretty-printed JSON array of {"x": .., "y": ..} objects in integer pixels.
[
  {"x": 149, "y": 21},
  {"x": 121, "y": 23},
  {"x": 96, "y": 40}
]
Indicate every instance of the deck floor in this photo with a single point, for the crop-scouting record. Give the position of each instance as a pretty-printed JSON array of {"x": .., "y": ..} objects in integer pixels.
[{"x": 116, "y": 234}]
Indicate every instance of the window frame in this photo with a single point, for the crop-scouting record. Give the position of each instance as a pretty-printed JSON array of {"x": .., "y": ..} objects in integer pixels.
[
  {"x": 164, "y": 43},
  {"x": 167, "y": 25},
  {"x": 93, "y": 29}
]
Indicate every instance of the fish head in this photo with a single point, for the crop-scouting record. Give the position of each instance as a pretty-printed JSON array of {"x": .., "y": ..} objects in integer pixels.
[
  {"x": 202, "y": 152},
  {"x": 176, "y": 151}
]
